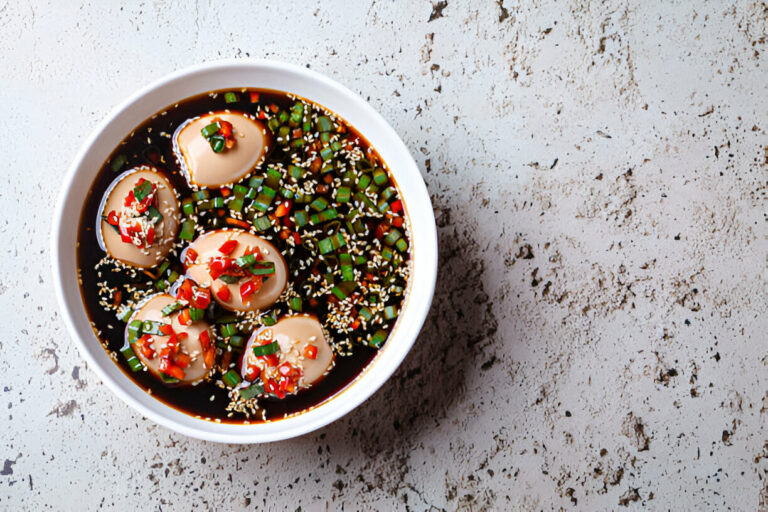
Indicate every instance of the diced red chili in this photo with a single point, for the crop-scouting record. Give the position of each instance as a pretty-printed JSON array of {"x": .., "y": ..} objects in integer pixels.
[
  {"x": 283, "y": 209},
  {"x": 218, "y": 266},
  {"x": 225, "y": 129},
  {"x": 201, "y": 298},
  {"x": 223, "y": 293},
  {"x": 249, "y": 287},
  {"x": 230, "y": 143},
  {"x": 185, "y": 290},
  {"x": 168, "y": 368},
  {"x": 190, "y": 257},
  {"x": 397, "y": 222},
  {"x": 296, "y": 238},
  {"x": 184, "y": 318},
  {"x": 113, "y": 218},
  {"x": 205, "y": 339},
  {"x": 396, "y": 206},
  {"x": 166, "y": 329},
  {"x": 182, "y": 359},
  {"x": 150, "y": 235},
  {"x": 225, "y": 191},
  {"x": 381, "y": 229},
  {"x": 254, "y": 97},
  {"x": 310, "y": 352},
  {"x": 227, "y": 247}
]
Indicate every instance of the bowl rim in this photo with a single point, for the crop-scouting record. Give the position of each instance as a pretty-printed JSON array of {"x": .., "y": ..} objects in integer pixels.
[{"x": 333, "y": 408}]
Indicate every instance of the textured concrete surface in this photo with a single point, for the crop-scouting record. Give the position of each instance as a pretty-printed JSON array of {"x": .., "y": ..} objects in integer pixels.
[{"x": 598, "y": 340}]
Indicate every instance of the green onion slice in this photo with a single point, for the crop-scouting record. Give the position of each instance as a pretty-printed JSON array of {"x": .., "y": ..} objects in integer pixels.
[{"x": 265, "y": 350}]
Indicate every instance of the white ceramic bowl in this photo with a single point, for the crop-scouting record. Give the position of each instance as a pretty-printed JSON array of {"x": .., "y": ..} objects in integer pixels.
[{"x": 236, "y": 74}]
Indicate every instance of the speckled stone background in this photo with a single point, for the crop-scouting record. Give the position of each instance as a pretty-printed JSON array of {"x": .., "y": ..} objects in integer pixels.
[{"x": 598, "y": 337}]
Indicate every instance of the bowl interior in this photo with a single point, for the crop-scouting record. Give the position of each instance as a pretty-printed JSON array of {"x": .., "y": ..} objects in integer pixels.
[{"x": 236, "y": 74}]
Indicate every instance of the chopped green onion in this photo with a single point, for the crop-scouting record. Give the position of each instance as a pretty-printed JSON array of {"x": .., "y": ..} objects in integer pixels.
[
  {"x": 364, "y": 181},
  {"x": 390, "y": 312},
  {"x": 338, "y": 240},
  {"x": 239, "y": 190},
  {"x": 255, "y": 182},
  {"x": 217, "y": 143},
  {"x": 236, "y": 204},
  {"x": 118, "y": 162},
  {"x": 270, "y": 319},
  {"x": 231, "y": 97},
  {"x": 244, "y": 261},
  {"x": 380, "y": 176},
  {"x": 168, "y": 379},
  {"x": 262, "y": 202},
  {"x": 393, "y": 236},
  {"x": 124, "y": 313},
  {"x": 262, "y": 268},
  {"x": 228, "y": 330},
  {"x": 130, "y": 356},
  {"x": 319, "y": 204},
  {"x": 324, "y": 124},
  {"x": 142, "y": 191},
  {"x": 343, "y": 194},
  {"x": 325, "y": 245},
  {"x": 326, "y": 153},
  {"x": 134, "y": 330},
  {"x": 265, "y": 350},
  {"x": 154, "y": 214},
  {"x": 387, "y": 253},
  {"x": 251, "y": 391},
  {"x": 324, "y": 215},
  {"x": 262, "y": 223},
  {"x": 171, "y": 308},
  {"x": 300, "y": 218},
  {"x": 151, "y": 327},
  {"x": 231, "y": 378},
  {"x": 366, "y": 314},
  {"x": 201, "y": 195},
  {"x": 401, "y": 245},
  {"x": 378, "y": 338},
  {"x": 187, "y": 230},
  {"x": 295, "y": 303},
  {"x": 273, "y": 177},
  {"x": 229, "y": 279},
  {"x": 188, "y": 207},
  {"x": 218, "y": 202},
  {"x": 196, "y": 314},
  {"x": 295, "y": 171},
  {"x": 210, "y": 130}
]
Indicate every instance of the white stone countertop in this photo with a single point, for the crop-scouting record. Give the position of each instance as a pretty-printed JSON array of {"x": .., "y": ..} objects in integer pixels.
[{"x": 599, "y": 175}]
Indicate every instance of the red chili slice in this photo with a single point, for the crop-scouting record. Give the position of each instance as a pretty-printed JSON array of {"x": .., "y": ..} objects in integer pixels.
[
  {"x": 184, "y": 318},
  {"x": 201, "y": 298},
  {"x": 190, "y": 257},
  {"x": 223, "y": 293},
  {"x": 185, "y": 290},
  {"x": 250, "y": 287},
  {"x": 113, "y": 218},
  {"x": 150, "y": 236},
  {"x": 227, "y": 247},
  {"x": 310, "y": 352},
  {"x": 225, "y": 129},
  {"x": 218, "y": 266},
  {"x": 283, "y": 209}
]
